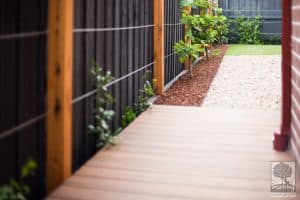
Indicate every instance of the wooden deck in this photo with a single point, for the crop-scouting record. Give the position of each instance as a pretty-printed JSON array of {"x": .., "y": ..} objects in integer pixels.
[{"x": 183, "y": 153}]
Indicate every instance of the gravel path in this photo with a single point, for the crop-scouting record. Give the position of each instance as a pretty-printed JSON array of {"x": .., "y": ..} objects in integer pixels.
[{"x": 246, "y": 82}]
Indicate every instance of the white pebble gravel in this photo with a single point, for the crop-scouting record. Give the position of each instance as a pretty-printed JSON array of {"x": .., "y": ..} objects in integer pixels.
[{"x": 247, "y": 82}]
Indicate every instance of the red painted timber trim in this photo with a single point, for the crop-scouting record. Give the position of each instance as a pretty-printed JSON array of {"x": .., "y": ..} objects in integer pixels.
[{"x": 281, "y": 138}]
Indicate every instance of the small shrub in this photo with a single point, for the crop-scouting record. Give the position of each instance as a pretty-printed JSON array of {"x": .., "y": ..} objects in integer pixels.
[
  {"x": 271, "y": 39},
  {"x": 221, "y": 26},
  {"x": 128, "y": 116},
  {"x": 17, "y": 190},
  {"x": 187, "y": 50},
  {"x": 144, "y": 95},
  {"x": 248, "y": 30},
  {"x": 206, "y": 30}
]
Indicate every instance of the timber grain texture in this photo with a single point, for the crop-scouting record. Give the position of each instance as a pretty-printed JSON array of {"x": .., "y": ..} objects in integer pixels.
[{"x": 183, "y": 153}]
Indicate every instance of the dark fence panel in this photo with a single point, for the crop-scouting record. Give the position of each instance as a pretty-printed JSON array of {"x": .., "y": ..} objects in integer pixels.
[
  {"x": 270, "y": 10},
  {"x": 119, "y": 51},
  {"x": 23, "y": 27},
  {"x": 174, "y": 31}
]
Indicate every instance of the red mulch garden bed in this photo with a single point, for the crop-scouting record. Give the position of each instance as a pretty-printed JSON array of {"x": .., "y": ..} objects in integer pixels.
[{"x": 191, "y": 92}]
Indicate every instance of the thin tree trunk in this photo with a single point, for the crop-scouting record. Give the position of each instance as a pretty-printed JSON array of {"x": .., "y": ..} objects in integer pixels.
[
  {"x": 206, "y": 53},
  {"x": 191, "y": 67}
]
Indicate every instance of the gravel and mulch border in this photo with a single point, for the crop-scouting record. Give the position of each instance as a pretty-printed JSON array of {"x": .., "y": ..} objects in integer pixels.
[
  {"x": 247, "y": 82},
  {"x": 188, "y": 91}
]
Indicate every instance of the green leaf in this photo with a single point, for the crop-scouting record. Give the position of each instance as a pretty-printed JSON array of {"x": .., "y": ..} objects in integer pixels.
[
  {"x": 117, "y": 132},
  {"x": 91, "y": 128},
  {"x": 109, "y": 113},
  {"x": 29, "y": 168},
  {"x": 186, "y": 3}
]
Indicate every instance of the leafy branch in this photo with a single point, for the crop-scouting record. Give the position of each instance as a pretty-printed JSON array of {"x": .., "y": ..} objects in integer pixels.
[
  {"x": 202, "y": 30},
  {"x": 142, "y": 104},
  {"x": 17, "y": 190},
  {"x": 102, "y": 115}
]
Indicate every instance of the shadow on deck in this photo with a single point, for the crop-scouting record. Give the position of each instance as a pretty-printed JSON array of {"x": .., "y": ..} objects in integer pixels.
[{"x": 183, "y": 153}]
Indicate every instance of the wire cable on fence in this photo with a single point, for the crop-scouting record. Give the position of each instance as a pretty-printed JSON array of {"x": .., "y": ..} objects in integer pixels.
[
  {"x": 171, "y": 54},
  {"x": 23, "y": 126},
  {"x": 41, "y": 117},
  {"x": 85, "y": 30},
  {"x": 173, "y": 24},
  {"x": 38, "y": 118},
  {"x": 82, "y": 97},
  {"x": 22, "y": 35},
  {"x": 254, "y": 10}
]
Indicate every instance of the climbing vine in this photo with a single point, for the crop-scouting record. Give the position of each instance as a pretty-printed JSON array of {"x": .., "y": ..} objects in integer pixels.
[
  {"x": 16, "y": 189},
  {"x": 142, "y": 104},
  {"x": 101, "y": 114},
  {"x": 144, "y": 94}
]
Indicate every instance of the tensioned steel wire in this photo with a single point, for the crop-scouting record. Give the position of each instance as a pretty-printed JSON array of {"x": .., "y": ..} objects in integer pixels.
[
  {"x": 176, "y": 25},
  {"x": 82, "y": 97},
  {"x": 43, "y": 116},
  {"x": 85, "y": 30},
  {"x": 22, "y": 35}
]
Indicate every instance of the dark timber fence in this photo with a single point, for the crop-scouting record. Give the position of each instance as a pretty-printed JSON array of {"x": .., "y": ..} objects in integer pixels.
[
  {"x": 98, "y": 38},
  {"x": 116, "y": 34},
  {"x": 23, "y": 37},
  {"x": 174, "y": 31},
  {"x": 270, "y": 10}
]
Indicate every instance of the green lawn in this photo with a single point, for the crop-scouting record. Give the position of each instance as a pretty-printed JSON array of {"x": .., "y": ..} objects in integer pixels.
[{"x": 241, "y": 49}]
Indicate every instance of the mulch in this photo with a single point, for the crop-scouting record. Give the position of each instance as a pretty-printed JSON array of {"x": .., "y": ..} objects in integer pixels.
[{"x": 189, "y": 91}]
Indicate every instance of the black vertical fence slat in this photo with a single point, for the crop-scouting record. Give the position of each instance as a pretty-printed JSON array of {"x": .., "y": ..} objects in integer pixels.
[
  {"x": 151, "y": 33},
  {"x": 100, "y": 18},
  {"x": 166, "y": 40},
  {"x": 131, "y": 51},
  {"x": 23, "y": 85},
  {"x": 150, "y": 41},
  {"x": 78, "y": 87},
  {"x": 175, "y": 10},
  {"x": 169, "y": 39},
  {"x": 27, "y": 87},
  {"x": 124, "y": 97},
  {"x": 90, "y": 58},
  {"x": 142, "y": 42},
  {"x": 41, "y": 105},
  {"x": 179, "y": 30},
  {"x": 109, "y": 38},
  {"x": 8, "y": 70},
  {"x": 100, "y": 54},
  {"x": 116, "y": 65},
  {"x": 136, "y": 47},
  {"x": 146, "y": 39},
  {"x": 140, "y": 45},
  {"x": 174, "y": 35}
]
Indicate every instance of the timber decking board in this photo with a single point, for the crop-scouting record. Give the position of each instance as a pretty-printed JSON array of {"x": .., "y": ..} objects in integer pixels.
[{"x": 167, "y": 160}]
